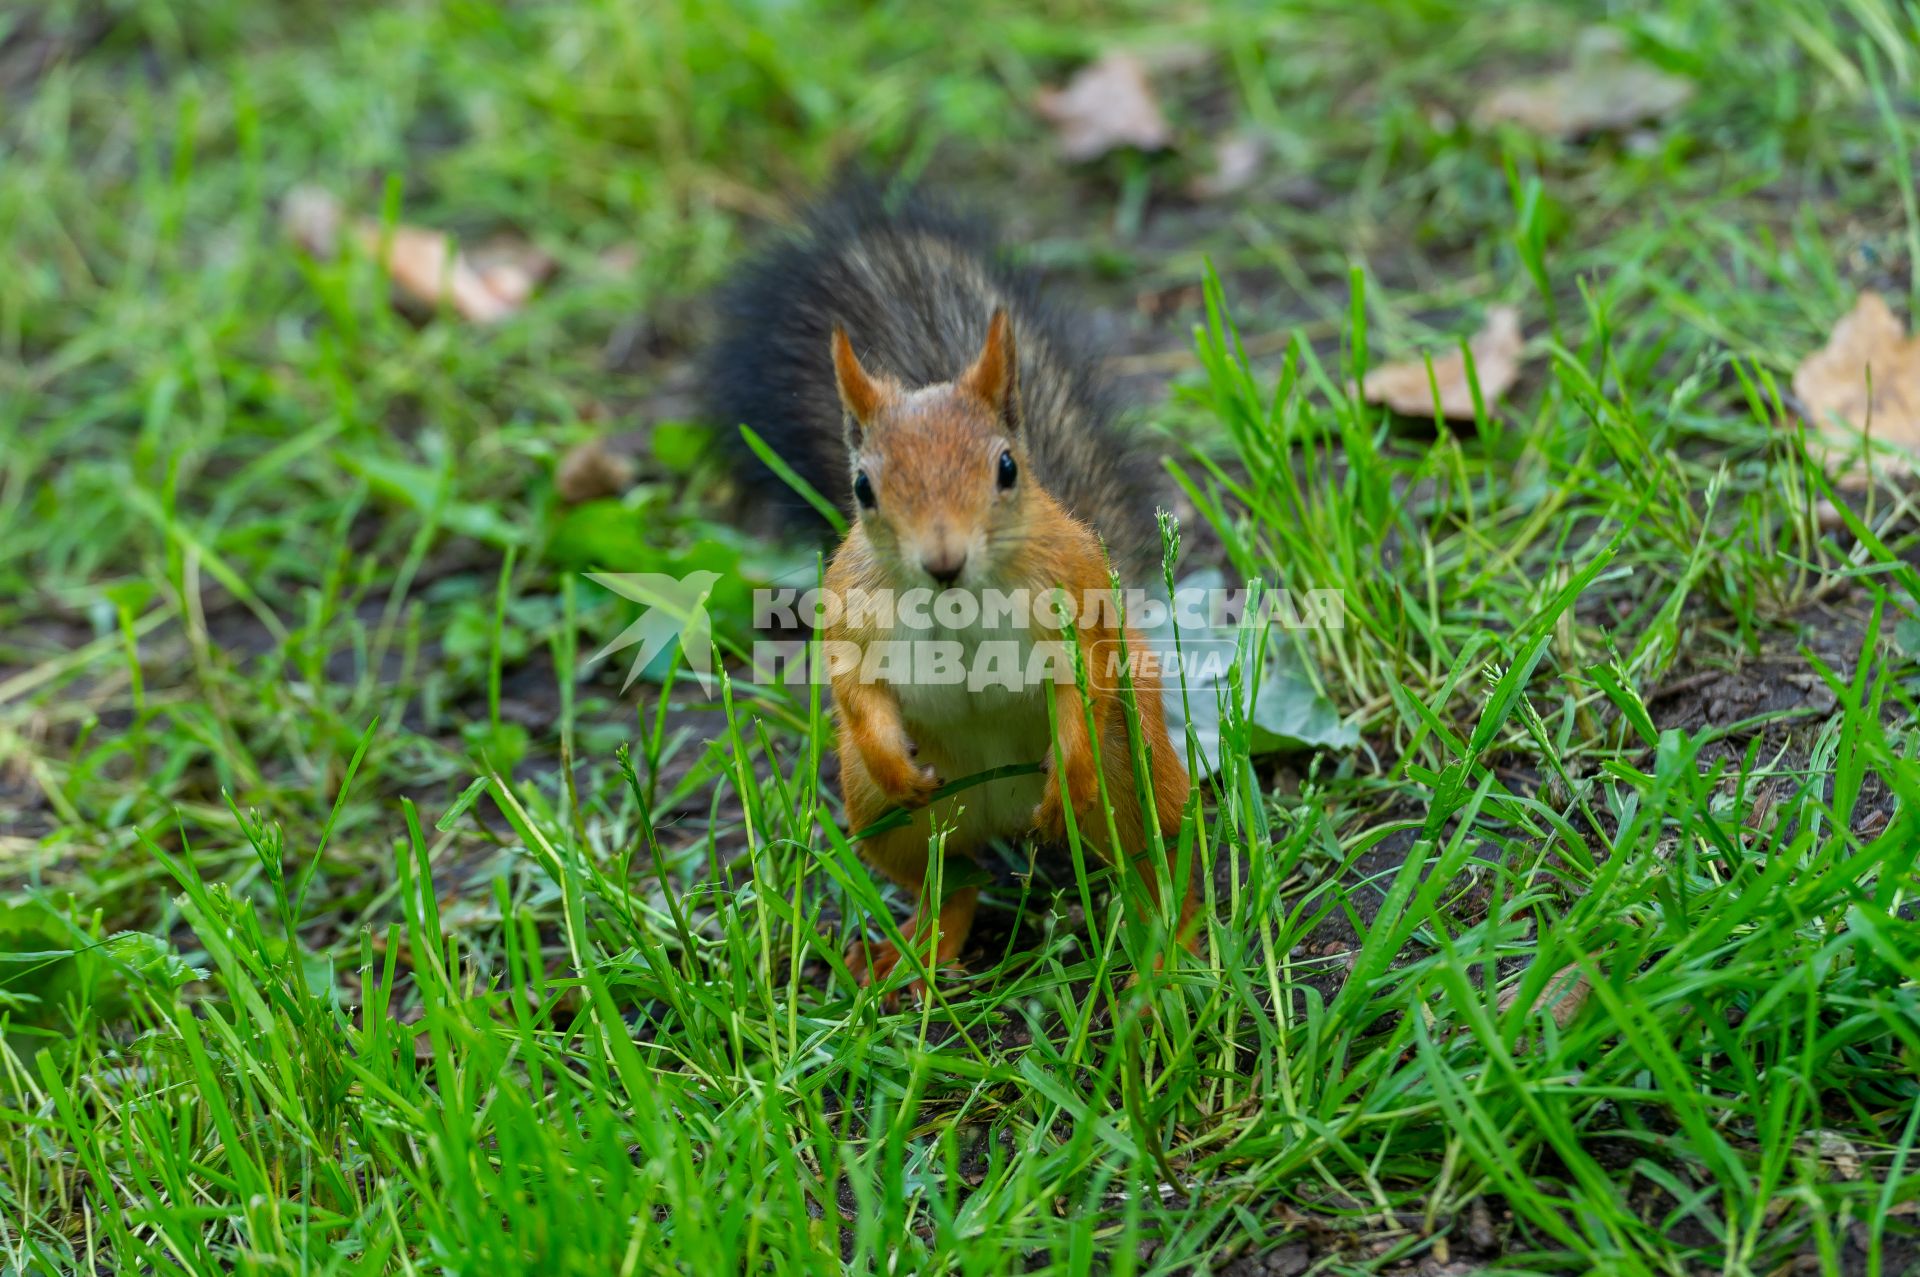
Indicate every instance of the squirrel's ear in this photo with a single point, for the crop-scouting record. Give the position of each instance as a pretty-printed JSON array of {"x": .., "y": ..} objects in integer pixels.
[
  {"x": 860, "y": 394},
  {"x": 995, "y": 375}
]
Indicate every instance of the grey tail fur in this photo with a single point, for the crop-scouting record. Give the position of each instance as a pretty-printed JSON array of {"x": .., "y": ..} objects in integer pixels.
[{"x": 914, "y": 285}]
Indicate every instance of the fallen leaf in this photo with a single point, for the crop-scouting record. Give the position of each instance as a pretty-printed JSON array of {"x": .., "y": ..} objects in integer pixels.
[
  {"x": 1604, "y": 89},
  {"x": 1864, "y": 382},
  {"x": 589, "y": 472},
  {"x": 1832, "y": 1146},
  {"x": 425, "y": 266},
  {"x": 1107, "y": 105},
  {"x": 483, "y": 287},
  {"x": 512, "y": 268},
  {"x": 1405, "y": 387},
  {"x": 1565, "y": 994},
  {"x": 1236, "y": 162}
]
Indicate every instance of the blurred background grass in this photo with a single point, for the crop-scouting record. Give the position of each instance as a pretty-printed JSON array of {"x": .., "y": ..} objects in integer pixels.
[{"x": 248, "y": 508}]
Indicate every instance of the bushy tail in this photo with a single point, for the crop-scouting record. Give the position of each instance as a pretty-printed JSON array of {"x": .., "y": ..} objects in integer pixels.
[{"x": 914, "y": 284}]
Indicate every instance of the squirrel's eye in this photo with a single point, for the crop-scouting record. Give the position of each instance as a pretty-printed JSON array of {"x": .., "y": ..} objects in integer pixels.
[
  {"x": 1008, "y": 470},
  {"x": 863, "y": 490}
]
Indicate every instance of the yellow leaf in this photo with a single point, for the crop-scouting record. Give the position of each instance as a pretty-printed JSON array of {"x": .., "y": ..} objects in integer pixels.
[
  {"x": 484, "y": 287},
  {"x": 1405, "y": 388},
  {"x": 1864, "y": 382}
]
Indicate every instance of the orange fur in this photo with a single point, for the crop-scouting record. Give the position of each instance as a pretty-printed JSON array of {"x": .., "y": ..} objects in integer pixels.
[
  {"x": 932, "y": 457},
  {"x": 860, "y": 394}
]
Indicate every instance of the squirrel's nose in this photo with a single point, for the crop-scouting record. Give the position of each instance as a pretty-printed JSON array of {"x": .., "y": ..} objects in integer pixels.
[{"x": 945, "y": 568}]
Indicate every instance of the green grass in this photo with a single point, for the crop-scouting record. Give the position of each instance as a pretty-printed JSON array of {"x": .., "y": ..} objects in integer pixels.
[{"x": 352, "y": 922}]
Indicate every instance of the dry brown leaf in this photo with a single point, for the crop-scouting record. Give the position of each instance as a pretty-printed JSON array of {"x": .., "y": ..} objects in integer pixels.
[
  {"x": 1832, "y": 1146},
  {"x": 1236, "y": 162},
  {"x": 425, "y": 266},
  {"x": 512, "y": 268},
  {"x": 1864, "y": 381},
  {"x": 483, "y": 288},
  {"x": 1405, "y": 388},
  {"x": 1604, "y": 89},
  {"x": 1108, "y": 104},
  {"x": 1565, "y": 994},
  {"x": 589, "y": 472}
]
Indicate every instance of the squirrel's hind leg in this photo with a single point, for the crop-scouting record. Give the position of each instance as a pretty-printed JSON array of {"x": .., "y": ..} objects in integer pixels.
[
  {"x": 902, "y": 855},
  {"x": 936, "y": 942}
]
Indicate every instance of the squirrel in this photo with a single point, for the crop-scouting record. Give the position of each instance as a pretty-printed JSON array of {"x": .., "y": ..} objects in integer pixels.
[{"x": 896, "y": 362}]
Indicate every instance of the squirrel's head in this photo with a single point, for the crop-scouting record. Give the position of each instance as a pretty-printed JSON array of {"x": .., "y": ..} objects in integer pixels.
[{"x": 939, "y": 472}]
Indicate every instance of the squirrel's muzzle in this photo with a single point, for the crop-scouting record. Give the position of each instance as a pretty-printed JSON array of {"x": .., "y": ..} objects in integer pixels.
[{"x": 944, "y": 565}]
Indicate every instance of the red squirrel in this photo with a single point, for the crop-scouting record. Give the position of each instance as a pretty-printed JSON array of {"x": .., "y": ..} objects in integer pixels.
[{"x": 899, "y": 366}]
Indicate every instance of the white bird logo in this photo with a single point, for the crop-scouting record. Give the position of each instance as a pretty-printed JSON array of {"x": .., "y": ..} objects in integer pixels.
[{"x": 675, "y": 607}]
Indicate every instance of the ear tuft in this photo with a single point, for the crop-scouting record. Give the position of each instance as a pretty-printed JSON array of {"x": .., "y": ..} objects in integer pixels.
[
  {"x": 860, "y": 394},
  {"x": 995, "y": 375}
]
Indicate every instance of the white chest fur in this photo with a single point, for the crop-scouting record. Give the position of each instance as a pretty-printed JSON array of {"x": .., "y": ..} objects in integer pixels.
[{"x": 970, "y": 703}]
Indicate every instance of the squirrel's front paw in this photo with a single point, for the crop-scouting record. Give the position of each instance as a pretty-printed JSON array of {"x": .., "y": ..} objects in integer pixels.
[
  {"x": 910, "y": 785},
  {"x": 1050, "y": 817},
  {"x": 873, "y": 962}
]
